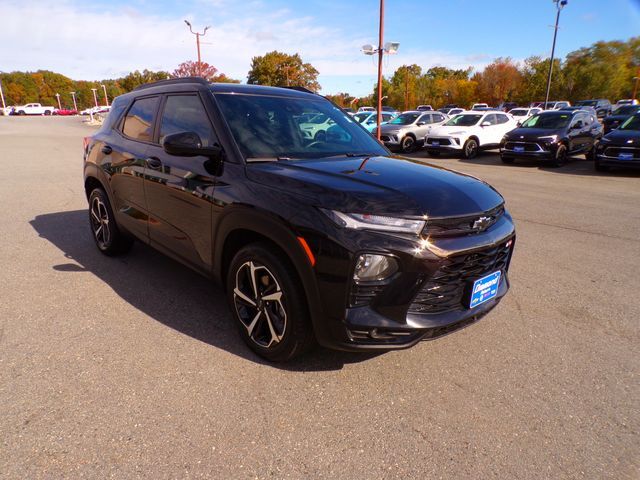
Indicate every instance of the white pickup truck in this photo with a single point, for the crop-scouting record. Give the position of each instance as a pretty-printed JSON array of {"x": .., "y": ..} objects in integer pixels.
[{"x": 33, "y": 109}]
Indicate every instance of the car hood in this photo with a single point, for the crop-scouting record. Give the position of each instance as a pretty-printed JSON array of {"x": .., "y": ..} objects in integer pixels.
[
  {"x": 391, "y": 128},
  {"x": 532, "y": 133},
  {"x": 448, "y": 130},
  {"x": 394, "y": 186},
  {"x": 623, "y": 136}
]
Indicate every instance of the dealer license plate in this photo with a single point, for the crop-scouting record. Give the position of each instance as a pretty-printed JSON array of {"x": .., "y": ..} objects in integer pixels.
[
  {"x": 518, "y": 149},
  {"x": 435, "y": 143},
  {"x": 484, "y": 289},
  {"x": 625, "y": 156}
]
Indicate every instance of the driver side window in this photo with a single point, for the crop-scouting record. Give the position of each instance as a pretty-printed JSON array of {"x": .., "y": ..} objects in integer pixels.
[{"x": 491, "y": 119}]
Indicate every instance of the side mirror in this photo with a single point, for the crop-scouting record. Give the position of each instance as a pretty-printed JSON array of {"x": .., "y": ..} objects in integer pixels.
[
  {"x": 188, "y": 144},
  {"x": 485, "y": 124}
]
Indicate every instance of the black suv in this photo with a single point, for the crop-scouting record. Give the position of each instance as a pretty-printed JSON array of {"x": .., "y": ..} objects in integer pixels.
[
  {"x": 620, "y": 147},
  {"x": 330, "y": 240},
  {"x": 602, "y": 106},
  {"x": 618, "y": 117},
  {"x": 552, "y": 136}
]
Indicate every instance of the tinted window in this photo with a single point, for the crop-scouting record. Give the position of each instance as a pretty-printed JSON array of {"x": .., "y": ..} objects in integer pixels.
[
  {"x": 425, "y": 119},
  {"x": 117, "y": 108},
  {"x": 138, "y": 124},
  {"x": 438, "y": 118},
  {"x": 491, "y": 119},
  {"x": 405, "y": 119},
  {"x": 463, "y": 120},
  {"x": 266, "y": 127},
  {"x": 549, "y": 121},
  {"x": 502, "y": 118},
  {"x": 632, "y": 123},
  {"x": 185, "y": 113}
]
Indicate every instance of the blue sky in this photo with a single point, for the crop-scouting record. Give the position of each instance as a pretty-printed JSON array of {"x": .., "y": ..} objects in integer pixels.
[{"x": 93, "y": 40}]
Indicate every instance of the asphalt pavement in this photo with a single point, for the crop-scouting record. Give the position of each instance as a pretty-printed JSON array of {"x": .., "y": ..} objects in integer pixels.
[{"x": 130, "y": 367}]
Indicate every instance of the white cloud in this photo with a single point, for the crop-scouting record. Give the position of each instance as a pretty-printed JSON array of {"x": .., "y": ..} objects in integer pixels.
[{"x": 90, "y": 43}]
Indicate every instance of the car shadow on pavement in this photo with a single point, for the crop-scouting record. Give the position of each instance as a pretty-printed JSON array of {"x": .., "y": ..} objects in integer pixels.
[{"x": 167, "y": 291}]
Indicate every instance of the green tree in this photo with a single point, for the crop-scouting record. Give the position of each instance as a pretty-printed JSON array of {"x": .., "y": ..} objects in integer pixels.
[{"x": 282, "y": 70}]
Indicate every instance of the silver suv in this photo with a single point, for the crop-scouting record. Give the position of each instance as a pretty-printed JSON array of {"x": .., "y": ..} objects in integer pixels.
[{"x": 407, "y": 130}]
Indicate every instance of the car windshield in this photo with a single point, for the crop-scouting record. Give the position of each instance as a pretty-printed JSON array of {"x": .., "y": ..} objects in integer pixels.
[
  {"x": 627, "y": 110},
  {"x": 587, "y": 103},
  {"x": 518, "y": 112},
  {"x": 547, "y": 121},
  {"x": 318, "y": 119},
  {"x": 463, "y": 121},
  {"x": 361, "y": 117},
  {"x": 405, "y": 119},
  {"x": 266, "y": 128},
  {"x": 632, "y": 123}
]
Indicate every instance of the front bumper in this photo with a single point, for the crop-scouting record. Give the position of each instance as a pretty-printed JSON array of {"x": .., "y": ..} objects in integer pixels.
[
  {"x": 619, "y": 156},
  {"x": 531, "y": 150},
  {"x": 398, "y": 314},
  {"x": 443, "y": 143}
]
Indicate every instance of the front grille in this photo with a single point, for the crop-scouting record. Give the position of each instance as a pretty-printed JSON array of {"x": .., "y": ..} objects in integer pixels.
[
  {"x": 456, "y": 226},
  {"x": 527, "y": 146},
  {"x": 441, "y": 141},
  {"x": 362, "y": 293},
  {"x": 616, "y": 151},
  {"x": 447, "y": 289},
  {"x": 385, "y": 138}
]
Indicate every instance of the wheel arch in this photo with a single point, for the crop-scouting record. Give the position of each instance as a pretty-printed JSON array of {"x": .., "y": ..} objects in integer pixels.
[{"x": 246, "y": 225}]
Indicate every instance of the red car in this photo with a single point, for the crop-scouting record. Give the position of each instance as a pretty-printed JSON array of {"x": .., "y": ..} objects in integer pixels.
[{"x": 65, "y": 111}]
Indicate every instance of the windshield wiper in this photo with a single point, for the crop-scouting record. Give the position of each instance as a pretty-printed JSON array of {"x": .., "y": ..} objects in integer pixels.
[
  {"x": 352, "y": 155},
  {"x": 266, "y": 159}
]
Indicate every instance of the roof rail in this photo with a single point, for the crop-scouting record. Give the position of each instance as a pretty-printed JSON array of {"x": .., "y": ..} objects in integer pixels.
[
  {"x": 173, "y": 81},
  {"x": 300, "y": 89}
]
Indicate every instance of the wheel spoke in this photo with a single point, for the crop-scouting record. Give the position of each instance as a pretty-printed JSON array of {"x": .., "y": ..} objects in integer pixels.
[
  {"x": 95, "y": 215},
  {"x": 244, "y": 297},
  {"x": 252, "y": 278},
  {"x": 252, "y": 325},
  {"x": 273, "y": 297},
  {"x": 274, "y": 336},
  {"x": 98, "y": 231}
]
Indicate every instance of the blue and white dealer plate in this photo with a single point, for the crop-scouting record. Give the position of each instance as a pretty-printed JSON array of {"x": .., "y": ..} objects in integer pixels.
[{"x": 484, "y": 289}]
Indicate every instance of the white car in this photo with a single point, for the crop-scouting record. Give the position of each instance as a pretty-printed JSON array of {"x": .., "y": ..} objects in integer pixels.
[
  {"x": 626, "y": 101},
  {"x": 520, "y": 114},
  {"x": 366, "y": 109},
  {"x": 469, "y": 132},
  {"x": 33, "y": 109},
  {"x": 479, "y": 105},
  {"x": 421, "y": 108}
]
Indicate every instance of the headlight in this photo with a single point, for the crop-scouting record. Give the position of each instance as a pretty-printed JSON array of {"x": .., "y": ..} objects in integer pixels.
[
  {"x": 365, "y": 221},
  {"x": 549, "y": 138},
  {"x": 371, "y": 267}
]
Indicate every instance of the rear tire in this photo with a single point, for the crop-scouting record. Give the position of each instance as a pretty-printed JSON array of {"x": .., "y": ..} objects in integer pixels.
[
  {"x": 470, "y": 149},
  {"x": 108, "y": 237},
  {"x": 268, "y": 304}
]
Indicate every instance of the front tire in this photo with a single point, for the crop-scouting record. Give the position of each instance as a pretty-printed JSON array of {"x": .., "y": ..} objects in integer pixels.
[
  {"x": 408, "y": 144},
  {"x": 268, "y": 304},
  {"x": 561, "y": 156},
  {"x": 108, "y": 237},
  {"x": 470, "y": 149}
]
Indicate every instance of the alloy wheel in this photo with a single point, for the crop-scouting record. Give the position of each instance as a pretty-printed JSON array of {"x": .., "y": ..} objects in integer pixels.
[
  {"x": 257, "y": 297},
  {"x": 100, "y": 223}
]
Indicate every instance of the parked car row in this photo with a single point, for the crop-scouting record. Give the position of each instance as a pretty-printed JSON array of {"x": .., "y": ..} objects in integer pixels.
[{"x": 39, "y": 109}]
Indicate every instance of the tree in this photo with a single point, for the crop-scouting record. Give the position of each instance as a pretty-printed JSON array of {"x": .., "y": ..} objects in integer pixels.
[
  {"x": 499, "y": 81},
  {"x": 282, "y": 70},
  {"x": 137, "y": 78},
  {"x": 193, "y": 69}
]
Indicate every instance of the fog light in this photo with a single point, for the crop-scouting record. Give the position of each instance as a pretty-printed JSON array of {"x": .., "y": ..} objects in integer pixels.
[{"x": 371, "y": 267}]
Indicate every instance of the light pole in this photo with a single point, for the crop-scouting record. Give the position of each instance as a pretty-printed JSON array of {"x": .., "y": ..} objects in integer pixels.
[
  {"x": 95, "y": 96},
  {"x": 560, "y": 4},
  {"x": 59, "y": 104},
  {"x": 635, "y": 87},
  {"x": 198, "y": 44},
  {"x": 2, "y": 96},
  {"x": 106, "y": 99},
  {"x": 75, "y": 105},
  {"x": 389, "y": 48}
]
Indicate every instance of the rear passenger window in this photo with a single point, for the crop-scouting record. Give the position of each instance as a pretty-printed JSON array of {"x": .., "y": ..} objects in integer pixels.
[
  {"x": 138, "y": 124},
  {"x": 185, "y": 113},
  {"x": 491, "y": 119},
  {"x": 502, "y": 118}
]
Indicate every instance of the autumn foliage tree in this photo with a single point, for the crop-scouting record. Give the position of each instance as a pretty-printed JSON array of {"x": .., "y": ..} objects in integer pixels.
[{"x": 282, "y": 70}]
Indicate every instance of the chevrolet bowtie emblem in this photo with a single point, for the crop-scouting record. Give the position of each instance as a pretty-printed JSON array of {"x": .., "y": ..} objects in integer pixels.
[{"x": 481, "y": 223}]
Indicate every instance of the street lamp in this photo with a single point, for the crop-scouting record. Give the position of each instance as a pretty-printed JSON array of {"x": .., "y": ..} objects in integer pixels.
[
  {"x": 75, "y": 105},
  {"x": 389, "y": 48},
  {"x": 560, "y": 4},
  {"x": 635, "y": 87},
  {"x": 106, "y": 99},
  {"x": 59, "y": 104},
  {"x": 95, "y": 96},
  {"x": 198, "y": 43}
]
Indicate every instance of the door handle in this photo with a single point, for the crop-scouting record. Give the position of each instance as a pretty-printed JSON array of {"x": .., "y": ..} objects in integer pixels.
[
  {"x": 153, "y": 163},
  {"x": 106, "y": 149}
]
